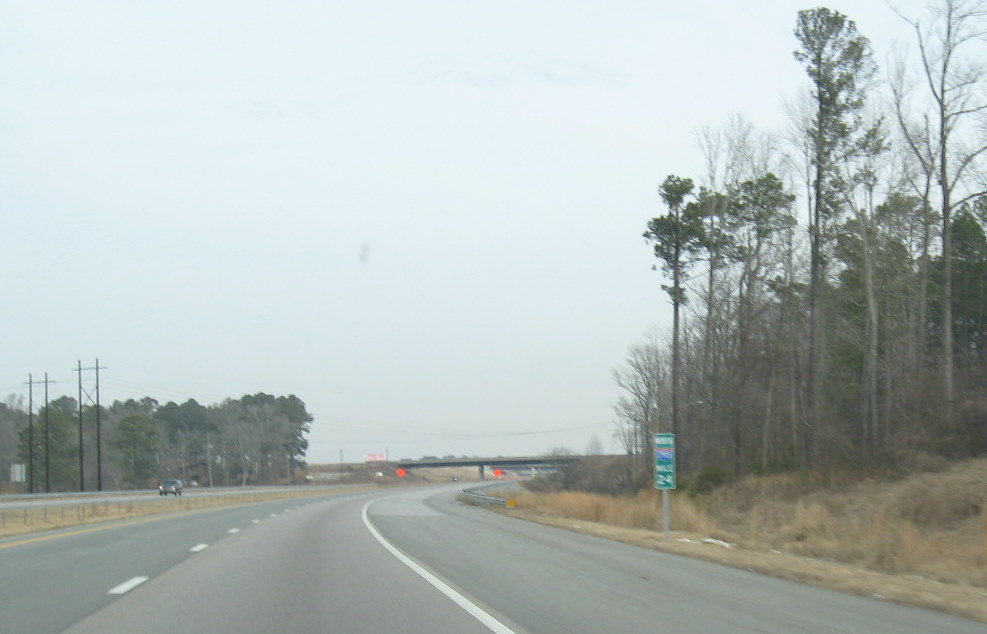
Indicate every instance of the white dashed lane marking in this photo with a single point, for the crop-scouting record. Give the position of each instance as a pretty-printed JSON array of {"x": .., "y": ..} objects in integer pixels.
[
  {"x": 130, "y": 584},
  {"x": 127, "y": 586}
]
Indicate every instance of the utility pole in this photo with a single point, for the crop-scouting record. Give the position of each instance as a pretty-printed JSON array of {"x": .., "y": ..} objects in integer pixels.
[
  {"x": 99, "y": 438},
  {"x": 82, "y": 476},
  {"x": 209, "y": 457},
  {"x": 99, "y": 443},
  {"x": 47, "y": 440},
  {"x": 30, "y": 434}
]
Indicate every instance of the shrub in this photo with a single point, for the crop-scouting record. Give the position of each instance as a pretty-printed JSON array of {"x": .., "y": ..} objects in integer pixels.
[{"x": 707, "y": 480}]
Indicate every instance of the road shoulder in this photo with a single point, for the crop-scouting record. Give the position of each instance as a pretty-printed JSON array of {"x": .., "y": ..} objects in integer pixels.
[{"x": 963, "y": 601}]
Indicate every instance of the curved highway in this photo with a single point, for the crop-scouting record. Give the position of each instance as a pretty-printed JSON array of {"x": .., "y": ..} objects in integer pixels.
[{"x": 410, "y": 561}]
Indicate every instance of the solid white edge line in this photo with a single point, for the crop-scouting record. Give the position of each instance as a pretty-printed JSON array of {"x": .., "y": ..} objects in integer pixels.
[
  {"x": 127, "y": 586},
  {"x": 474, "y": 610},
  {"x": 198, "y": 548}
]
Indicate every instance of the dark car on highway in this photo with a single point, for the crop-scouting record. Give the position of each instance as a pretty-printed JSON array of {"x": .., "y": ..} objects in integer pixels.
[{"x": 170, "y": 486}]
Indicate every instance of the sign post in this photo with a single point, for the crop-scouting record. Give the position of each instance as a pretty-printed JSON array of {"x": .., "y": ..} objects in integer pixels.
[{"x": 665, "y": 474}]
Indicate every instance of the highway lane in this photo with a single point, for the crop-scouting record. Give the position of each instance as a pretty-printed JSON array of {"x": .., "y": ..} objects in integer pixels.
[
  {"x": 50, "y": 581},
  {"x": 318, "y": 566},
  {"x": 551, "y": 581}
]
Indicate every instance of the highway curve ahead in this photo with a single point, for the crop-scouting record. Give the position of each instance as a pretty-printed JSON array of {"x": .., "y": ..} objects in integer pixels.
[{"x": 409, "y": 561}]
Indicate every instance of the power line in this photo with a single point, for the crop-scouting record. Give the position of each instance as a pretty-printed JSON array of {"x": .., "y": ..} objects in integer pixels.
[
  {"x": 391, "y": 427},
  {"x": 82, "y": 470},
  {"x": 30, "y": 434},
  {"x": 82, "y": 479},
  {"x": 99, "y": 435}
]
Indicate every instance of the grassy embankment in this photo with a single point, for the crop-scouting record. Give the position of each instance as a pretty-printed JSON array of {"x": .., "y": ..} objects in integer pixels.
[{"x": 921, "y": 540}]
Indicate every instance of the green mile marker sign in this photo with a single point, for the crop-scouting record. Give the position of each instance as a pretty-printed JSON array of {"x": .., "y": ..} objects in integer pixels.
[{"x": 664, "y": 461}]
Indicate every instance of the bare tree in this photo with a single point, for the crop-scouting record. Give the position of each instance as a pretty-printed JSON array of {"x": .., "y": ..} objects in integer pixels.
[
  {"x": 644, "y": 382},
  {"x": 859, "y": 171},
  {"x": 594, "y": 447},
  {"x": 954, "y": 75}
]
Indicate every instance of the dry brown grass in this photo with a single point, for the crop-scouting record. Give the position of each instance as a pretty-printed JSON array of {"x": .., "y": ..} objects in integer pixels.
[
  {"x": 931, "y": 524},
  {"x": 640, "y": 511},
  {"x": 928, "y": 532},
  {"x": 22, "y": 521}
]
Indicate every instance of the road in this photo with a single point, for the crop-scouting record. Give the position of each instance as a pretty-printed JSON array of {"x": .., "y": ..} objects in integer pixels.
[
  {"x": 15, "y": 502},
  {"x": 411, "y": 561}
]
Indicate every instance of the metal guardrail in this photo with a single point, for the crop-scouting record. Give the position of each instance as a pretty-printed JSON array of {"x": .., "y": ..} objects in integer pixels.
[
  {"x": 53, "y": 511},
  {"x": 17, "y": 497},
  {"x": 124, "y": 492},
  {"x": 472, "y": 496},
  {"x": 75, "y": 497}
]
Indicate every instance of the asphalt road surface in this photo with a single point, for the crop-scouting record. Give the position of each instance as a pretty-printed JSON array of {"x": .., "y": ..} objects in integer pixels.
[{"x": 410, "y": 561}]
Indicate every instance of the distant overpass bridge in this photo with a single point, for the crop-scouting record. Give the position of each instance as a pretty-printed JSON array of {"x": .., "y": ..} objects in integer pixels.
[{"x": 499, "y": 462}]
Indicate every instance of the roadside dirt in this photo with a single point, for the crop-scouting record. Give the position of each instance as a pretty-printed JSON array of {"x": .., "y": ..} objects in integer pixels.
[{"x": 964, "y": 601}]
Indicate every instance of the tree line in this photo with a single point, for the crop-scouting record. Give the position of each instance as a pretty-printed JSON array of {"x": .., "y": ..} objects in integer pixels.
[
  {"x": 829, "y": 283},
  {"x": 255, "y": 439}
]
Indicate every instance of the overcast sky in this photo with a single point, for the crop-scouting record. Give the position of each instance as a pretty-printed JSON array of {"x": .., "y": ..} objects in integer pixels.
[{"x": 422, "y": 218}]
